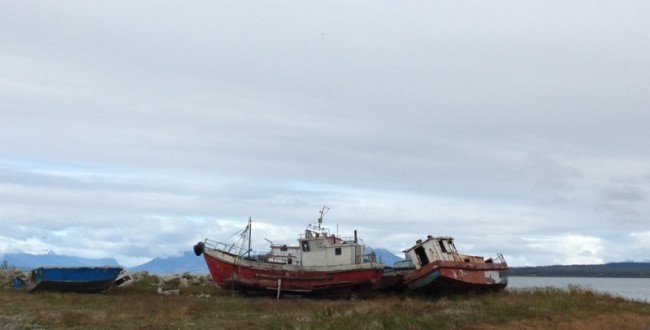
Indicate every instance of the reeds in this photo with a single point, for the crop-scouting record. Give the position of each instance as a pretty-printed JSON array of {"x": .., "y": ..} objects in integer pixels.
[{"x": 206, "y": 307}]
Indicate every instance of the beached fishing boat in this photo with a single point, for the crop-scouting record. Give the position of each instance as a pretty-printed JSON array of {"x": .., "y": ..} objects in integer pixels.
[
  {"x": 69, "y": 279},
  {"x": 322, "y": 264},
  {"x": 439, "y": 268}
]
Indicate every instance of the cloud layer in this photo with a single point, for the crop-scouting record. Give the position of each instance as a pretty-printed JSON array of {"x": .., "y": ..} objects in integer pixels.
[{"x": 133, "y": 130}]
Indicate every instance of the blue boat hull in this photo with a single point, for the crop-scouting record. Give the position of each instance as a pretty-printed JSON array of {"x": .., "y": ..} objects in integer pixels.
[{"x": 73, "y": 279}]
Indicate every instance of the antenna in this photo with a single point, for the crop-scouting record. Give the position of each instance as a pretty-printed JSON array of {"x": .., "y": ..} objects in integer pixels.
[
  {"x": 322, "y": 212},
  {"x": 249, "y": 236}
]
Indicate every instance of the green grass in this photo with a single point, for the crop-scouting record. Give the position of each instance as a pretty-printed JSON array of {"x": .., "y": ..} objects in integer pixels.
[{"x": 140, "y": 307}]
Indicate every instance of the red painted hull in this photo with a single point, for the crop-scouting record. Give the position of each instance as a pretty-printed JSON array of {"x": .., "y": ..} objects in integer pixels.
[
  {"x": 231, "y": 272},
  {"x": 452, "y": 276}
]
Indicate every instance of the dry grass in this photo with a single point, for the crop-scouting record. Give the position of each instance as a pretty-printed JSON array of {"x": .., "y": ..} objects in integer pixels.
[{"x": 140, "y": 307}]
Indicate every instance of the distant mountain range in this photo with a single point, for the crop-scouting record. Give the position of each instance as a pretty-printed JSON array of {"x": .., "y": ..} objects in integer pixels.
[
  {"x": 26, "y": 261},
  {"x": 187, "y": 262}
]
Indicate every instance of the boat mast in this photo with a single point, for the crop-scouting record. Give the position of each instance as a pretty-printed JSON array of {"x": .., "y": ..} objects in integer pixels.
[
  {"x": 249, "y": 237},
  {"x": 322, "y": 213}
]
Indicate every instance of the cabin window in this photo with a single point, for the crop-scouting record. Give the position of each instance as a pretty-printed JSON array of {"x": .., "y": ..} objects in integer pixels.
[
  {"x": 442, "y": 246},
  {"x": 283, "y": 248},
  {"x": 337, "y": 251},
  {"x": 289, "y": 261},
  {"x": 305, "y": 246},
  {"x": 422, "y": 255}
]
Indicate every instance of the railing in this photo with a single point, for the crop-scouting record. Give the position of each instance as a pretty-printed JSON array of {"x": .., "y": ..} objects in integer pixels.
[
  {"x": 230, "y": 248},
  {"x": 313, "y": 231},
  {"x": 240, "y": 252}
]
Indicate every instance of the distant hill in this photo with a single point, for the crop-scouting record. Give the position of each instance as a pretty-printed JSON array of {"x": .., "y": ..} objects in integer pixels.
[
  {"x": 188, "y": 262},
  {"x": 616, "y": 269},
  {"x": 26, "y": 261},
  {"x": 386, "y": 257}
]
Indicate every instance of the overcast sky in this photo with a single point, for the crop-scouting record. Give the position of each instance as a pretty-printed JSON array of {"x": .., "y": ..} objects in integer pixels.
[{"x": 134, "y": 129}]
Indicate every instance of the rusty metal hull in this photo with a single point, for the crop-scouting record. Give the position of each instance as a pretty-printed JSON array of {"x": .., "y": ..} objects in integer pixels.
[
  {"x": 454, "y": 276},
  {"x": 239, "y": 273}
]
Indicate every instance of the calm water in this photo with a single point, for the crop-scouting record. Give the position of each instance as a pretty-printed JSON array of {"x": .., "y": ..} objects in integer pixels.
[{"x": 630, "y": 288}]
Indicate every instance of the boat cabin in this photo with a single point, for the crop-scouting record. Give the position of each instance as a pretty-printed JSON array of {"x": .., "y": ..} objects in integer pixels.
[
  {"x": 439, "y": 248},
  {"x": 317, "y": 247},
  {"x": 283, "y": 254}
]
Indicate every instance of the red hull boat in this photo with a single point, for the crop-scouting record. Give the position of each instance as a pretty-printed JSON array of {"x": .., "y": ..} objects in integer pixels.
[
  {"x": 439, "y": 268},
  {"x": 321, "y": 264}
]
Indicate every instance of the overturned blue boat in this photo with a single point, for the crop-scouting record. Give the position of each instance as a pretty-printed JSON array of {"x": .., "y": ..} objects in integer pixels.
[{"x": 69, "y": 279}]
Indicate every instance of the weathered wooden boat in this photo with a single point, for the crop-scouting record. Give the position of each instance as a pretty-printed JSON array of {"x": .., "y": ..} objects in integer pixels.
[
  {"x": 439, "y": 268},
  {"x": 322, "y": 264},
  {"x": 69, "y": 279}
]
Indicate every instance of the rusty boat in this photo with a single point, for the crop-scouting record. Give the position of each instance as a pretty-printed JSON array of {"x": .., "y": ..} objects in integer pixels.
[
  {"x": 437, "y": 267},
  {"x": 322, "y": 264}
]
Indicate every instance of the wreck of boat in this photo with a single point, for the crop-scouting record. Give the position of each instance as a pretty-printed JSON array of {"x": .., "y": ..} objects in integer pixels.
[
  {"x": 322, "y": 264},
  {"x": 439, "y": 268},
  {"x": 68, "y": 279}
]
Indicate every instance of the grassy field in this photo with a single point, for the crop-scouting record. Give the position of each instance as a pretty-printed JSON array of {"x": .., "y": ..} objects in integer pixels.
[{"x": 206, "y": 307}]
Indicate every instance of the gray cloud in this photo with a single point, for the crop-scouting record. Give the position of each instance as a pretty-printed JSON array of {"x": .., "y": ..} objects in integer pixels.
[{"x": 142, "y": 127}]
